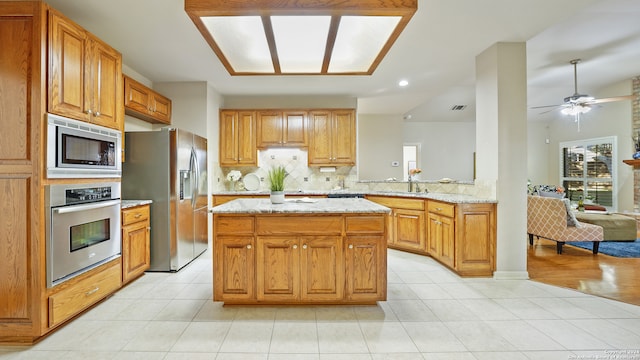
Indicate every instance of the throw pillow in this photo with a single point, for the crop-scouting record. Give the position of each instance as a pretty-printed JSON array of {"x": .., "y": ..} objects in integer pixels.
[{"x": 571, "y": 217}]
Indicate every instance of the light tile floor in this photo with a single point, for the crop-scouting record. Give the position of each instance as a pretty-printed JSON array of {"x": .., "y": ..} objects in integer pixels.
[{"x": 430, "y": 314}]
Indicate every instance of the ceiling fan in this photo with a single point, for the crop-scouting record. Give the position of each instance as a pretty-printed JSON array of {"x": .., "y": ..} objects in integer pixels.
[{"x": 577, "y": 103}]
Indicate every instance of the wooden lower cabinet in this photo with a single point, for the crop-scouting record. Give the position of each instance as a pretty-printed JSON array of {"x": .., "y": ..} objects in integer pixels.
[
  {"x": 475, "y": 248},
  {"x": 136, "y": 236},
  {"x": 406, "y": 223},
  {"x": 307, "y": 259},
  {"x": 461, "y": 236},
  {"x": 294, "y": 268},
  {"x": 78, "y": 295},
  {"x": 441, "y": 234}
]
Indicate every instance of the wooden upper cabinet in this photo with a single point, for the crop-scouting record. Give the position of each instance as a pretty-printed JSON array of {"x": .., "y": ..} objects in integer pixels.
[
  {"x": 277, "y": 128},
  {"x": 85, "y": 75},
  {"x": 238, "y": 138},
  {"x": 145, "y": 103},
  {"x": 332, "y": 138}
]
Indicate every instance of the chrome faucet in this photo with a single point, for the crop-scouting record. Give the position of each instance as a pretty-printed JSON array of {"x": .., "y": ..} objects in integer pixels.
[{"x": 417, "y": 187}]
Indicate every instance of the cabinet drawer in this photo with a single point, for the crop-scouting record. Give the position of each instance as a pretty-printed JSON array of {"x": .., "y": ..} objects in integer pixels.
[
  {"x": 365, "y": 224},
  {"x": 233, "y": 224},
  {"x": 441, "y": 208},
  {"x": 323, "y": 225},
  {"x": 133, "y": 215},
  {"x": 84, "y": 293},
  {"x": 398, "y": 203}
]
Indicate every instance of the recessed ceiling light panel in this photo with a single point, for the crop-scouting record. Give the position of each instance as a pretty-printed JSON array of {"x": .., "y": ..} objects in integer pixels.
[
  {"x": 359, "y": 41},
  {"x": 242, "y": 41},
  {"x": 300, "y": 42},
  {"x": 301, "y": 37}
]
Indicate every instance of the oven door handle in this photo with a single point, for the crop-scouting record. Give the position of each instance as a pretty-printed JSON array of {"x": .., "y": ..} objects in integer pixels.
[{"x": 76, "y": 208}]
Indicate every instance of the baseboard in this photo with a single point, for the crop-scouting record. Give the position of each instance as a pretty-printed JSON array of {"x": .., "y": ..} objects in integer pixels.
[{"x": 511, "y": 275}]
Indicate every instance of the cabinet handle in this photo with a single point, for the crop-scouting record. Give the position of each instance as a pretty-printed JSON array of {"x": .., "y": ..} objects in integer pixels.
[
  {"x": 295, "y": 246},
  {"x": 350, "y": 246},
  {"x": 91, "y": 292},
  {"x": 249, "y": 246},
  {"x": 97, "y": 113},
  {"x": 304, "y": 246},
  {"x": 149, "y": 228},
  {"x": 89, "y": 112},
  {"x": 439, "y": 209},
  {"x": 137, "y": 215}
]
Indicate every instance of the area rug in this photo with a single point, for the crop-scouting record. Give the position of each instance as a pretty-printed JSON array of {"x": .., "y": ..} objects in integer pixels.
[{"x": 626, "y": 249}]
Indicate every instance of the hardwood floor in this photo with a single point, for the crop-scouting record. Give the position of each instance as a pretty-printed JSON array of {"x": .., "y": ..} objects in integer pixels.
[{"x": 601, "y": 275}]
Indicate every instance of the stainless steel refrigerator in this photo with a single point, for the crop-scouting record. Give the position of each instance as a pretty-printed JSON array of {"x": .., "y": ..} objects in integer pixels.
[{"x": 169, "y": 167}]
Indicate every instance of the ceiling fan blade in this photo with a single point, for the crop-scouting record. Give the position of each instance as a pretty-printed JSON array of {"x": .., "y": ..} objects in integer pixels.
[
  {"x": 545, "y": 106},
  {"x": 612, "y": 99}
]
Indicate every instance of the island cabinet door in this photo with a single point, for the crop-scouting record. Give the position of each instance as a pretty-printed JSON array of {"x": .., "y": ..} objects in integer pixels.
[
  {"x": 365, "y": 271},
  {"x": 278, "y": 268},
  {"x": 322, "y": 268},
  {"x": 234, "y": 268}
]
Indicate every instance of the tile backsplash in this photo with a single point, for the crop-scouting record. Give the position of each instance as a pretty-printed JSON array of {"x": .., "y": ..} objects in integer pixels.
[
  {"x": 303, "y": 177},
  {"x": 300, "y": 175}
]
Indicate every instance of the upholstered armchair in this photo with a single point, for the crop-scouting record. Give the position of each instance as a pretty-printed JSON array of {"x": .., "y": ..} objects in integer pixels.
[{"x": 551, "y": 218}]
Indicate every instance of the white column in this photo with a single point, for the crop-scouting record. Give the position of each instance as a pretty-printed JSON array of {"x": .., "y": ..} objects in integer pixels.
[{"x": 501, "y": 149}]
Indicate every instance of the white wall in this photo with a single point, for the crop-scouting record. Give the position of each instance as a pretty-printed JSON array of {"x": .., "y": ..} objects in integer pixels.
[
  {"x": 380, "y": 139},
  {"x": 609, "y": 119},
  {"x": 446, "y": 148},
  {"x": 538, "y": 153}
]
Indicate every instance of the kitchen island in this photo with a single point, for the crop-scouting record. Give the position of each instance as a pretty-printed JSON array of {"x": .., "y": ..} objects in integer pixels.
[{"x": 305, "y": 251}]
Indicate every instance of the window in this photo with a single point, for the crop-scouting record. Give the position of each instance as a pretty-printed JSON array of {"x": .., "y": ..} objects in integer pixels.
[{"x": 588, "y": 171}]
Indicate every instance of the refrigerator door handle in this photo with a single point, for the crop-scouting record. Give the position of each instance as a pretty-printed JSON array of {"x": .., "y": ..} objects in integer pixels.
[{"x": 195, "y": 177}]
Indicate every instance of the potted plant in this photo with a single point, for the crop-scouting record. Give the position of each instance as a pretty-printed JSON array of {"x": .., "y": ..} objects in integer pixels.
[{"x": 276, "y": 184}]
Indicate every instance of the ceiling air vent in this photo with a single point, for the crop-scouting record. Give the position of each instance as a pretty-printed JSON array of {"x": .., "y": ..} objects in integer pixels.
[{"x": 458, "y": 107}]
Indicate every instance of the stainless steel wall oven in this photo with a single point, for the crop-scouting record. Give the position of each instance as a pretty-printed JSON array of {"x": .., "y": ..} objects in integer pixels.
[{"x": 83, "y": 228}]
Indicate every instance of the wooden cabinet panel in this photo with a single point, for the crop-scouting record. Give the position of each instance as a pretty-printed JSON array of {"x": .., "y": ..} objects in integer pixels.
[
  {"x": 323, "y": 225},
  {"x": 277, "y": 128},
  {"x": 234, "y": 261},
  {"x": 84, "y": 293},
  {"x": 320, "y": 139},
  {"x": 322, "y": 268},
  {"x": 136, "y": 242},
  {"x": 15, "y": 248},
  {"x": 409, "y": 229},
  {"x": 364, "y": 259},
  {"x": 269, "y": 128},
  {"x": 68, "y": 44},
  {"x": 475, "y": 239},
  {"x": 22, "y": 106},
  {"x": 238, "y": 138},
  {"x": 441, "y": 230},
  {"x": 106, "y": 86},
  {"x": 278, "y": 268},
  {"x": 145, "y": 103},
  {"x": 344, "y": 137},
  {"x": 406, "y": 223},
  {"x": 234, "y": 225},
  {"x": 294, "y": 130},
  {"x": 332, "y": 138},
  {"x": 85, "y": 75}
]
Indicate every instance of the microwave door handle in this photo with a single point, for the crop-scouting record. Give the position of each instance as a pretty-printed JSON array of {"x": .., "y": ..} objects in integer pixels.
[{"x": 76, "y": 208}]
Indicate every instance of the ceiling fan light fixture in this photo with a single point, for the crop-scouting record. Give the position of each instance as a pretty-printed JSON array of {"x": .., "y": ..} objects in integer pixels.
[
  {"x": 576, "y": 109},
  {"x": 302, "y": 37}
]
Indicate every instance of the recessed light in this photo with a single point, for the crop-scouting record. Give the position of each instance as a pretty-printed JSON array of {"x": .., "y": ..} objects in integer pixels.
[{"x": 403, "y": 83}]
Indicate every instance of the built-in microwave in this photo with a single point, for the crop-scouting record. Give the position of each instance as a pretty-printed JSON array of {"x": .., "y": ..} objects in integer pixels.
[{"x": 77, "y": 149}]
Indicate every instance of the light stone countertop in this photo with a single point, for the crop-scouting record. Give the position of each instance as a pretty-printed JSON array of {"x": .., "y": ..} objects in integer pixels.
[
  {"x": 450, "y": 198},
  {"x": 133, "y": 203},
  {"x": 300, "y": 206}
]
